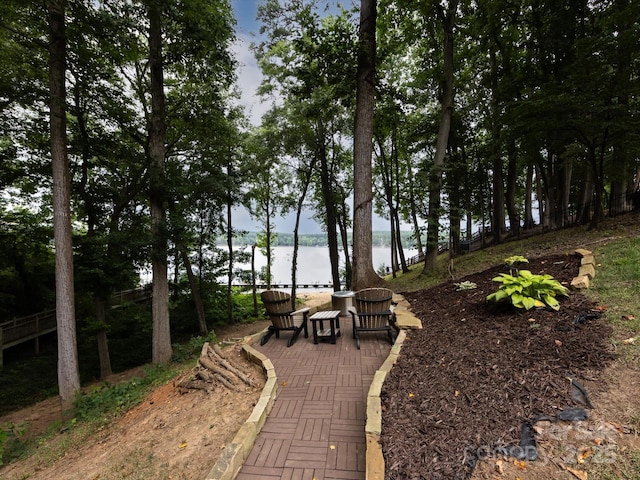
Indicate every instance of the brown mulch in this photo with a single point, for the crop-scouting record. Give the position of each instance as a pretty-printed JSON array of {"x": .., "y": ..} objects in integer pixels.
[{"x": 465, "y": 384}]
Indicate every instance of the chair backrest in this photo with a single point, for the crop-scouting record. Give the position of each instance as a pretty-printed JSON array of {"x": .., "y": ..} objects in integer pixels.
[
  {"x": 278, "y": 307},
  {"x": 373, "y": 306}
]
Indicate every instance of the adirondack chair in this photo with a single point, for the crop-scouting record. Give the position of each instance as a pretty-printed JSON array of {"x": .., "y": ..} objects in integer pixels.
[
  {"x": 278, "y": 307},
  {"x": 373, "y": 312}
]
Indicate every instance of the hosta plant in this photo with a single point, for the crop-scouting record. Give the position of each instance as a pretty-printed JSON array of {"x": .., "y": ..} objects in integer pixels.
[{"x": 527, "y": 290}]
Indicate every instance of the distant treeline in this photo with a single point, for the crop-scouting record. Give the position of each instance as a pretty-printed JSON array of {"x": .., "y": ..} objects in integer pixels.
[{"x": 380, "y": 239}]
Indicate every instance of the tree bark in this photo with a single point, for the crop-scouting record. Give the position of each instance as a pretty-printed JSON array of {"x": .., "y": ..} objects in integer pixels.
[
  {"x": 364, "y": 275},
  {"x": 68, "y": 371},
  {"x": 161, "y": 345}
]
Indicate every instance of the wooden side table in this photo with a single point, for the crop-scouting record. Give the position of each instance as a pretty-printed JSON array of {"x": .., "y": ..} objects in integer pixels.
[{"x": 326, "y": 333}]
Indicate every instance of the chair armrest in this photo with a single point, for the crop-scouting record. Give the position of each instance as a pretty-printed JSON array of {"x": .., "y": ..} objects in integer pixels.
[{"x": 301, "y": 311}]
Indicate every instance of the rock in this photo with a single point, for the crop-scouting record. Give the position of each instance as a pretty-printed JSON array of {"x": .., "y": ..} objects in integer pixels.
[
  {"x": 588, "y": 260},
  {"x": 580, "y": 282},
  {"x": 582, "y": 252},
  {"x": 587, "y": 270}
]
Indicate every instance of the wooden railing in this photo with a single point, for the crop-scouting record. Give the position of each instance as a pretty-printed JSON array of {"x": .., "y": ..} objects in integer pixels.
[{"x": 32, "y": 327}]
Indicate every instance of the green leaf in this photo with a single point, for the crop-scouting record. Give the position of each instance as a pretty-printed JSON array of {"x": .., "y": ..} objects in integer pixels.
[{"x": 528, "y": 303}]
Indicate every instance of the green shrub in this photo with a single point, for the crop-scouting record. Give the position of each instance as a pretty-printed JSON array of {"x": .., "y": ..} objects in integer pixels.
[
  {"x": 9, "y": 439},
  {"x": 527, "y": 290}
]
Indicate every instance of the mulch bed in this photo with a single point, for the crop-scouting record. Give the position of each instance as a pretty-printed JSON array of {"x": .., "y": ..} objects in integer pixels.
[{"x": 465, "y": 383}]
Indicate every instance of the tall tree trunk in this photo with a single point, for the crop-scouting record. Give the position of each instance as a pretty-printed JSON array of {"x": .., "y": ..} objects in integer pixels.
[
  {"x": 268, "y": 243},
  {"x": 68, "y": 371},
  {"x": 326, "y": 181},
  {"x": 161, "y": 345},
  {"x": 231, "y": 262},
  {"x": 498, "y": 216},
  {"x": 447, "y": 20},
  {"x": 364, "y": 275},
  {"x": 417, "y": 231},
  {"x": 299, "y": 207}
]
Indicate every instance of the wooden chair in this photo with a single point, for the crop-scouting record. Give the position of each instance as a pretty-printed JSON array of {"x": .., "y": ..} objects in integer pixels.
[
  {"x": 278, "y": 307},
  {"x": 373, "y": 312}
]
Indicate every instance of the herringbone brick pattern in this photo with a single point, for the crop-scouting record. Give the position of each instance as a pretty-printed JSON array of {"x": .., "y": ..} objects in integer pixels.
[{"x": 316, "y": 427}]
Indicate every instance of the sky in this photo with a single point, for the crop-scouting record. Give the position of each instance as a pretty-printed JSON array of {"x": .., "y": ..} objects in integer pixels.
[{"x": 249, "y": 78}]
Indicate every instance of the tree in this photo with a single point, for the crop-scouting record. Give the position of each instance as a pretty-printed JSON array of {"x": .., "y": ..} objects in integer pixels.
[
  {"x": 162, "y": 349},
  {"x": 68, "y": 371},
  {"x": 364, "y": 275},
  {"x": 303, "y": 58},
  {"x": 447, "y": 23}
]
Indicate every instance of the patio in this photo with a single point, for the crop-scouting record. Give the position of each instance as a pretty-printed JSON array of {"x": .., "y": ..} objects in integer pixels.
[{"x": 316, "y": 428}]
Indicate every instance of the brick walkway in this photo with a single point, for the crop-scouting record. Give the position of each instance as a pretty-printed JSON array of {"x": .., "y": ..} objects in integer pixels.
[{"x": 315, "y": 430}]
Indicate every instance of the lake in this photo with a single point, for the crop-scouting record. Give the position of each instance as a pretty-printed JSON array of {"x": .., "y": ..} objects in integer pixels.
[{"x": 313, "y": 263}]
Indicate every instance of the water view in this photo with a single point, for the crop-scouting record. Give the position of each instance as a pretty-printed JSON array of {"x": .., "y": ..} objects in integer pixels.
[{"x": 313, "y": 263}]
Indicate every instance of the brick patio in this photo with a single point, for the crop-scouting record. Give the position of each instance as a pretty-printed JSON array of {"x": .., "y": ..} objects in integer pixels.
[{"x": 316, "y": 427}]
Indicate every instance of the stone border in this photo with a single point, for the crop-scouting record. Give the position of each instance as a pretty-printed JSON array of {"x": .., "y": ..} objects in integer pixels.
[
  {"x": 587, "y": 269},
  {"x": 405, "y": 320}
]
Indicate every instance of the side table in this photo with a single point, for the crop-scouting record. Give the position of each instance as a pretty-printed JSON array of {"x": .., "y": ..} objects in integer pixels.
[{"x": 329, "y": 333}]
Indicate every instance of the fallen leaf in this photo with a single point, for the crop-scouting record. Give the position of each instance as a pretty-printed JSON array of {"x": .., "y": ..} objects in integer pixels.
[
  {"x": 456, "y": 393},
  {"x": 598, "y": 441},
  {"x": 577, "y": 473},
  {"x": 520, "y": 464},
  {"x": 499, "y": 467},
  {"x": 584, "y": 454},
  {"x": 558, "y": 343},
  {"x": 411, "y": 395},
  {"x": 183, "y": 445},
  {"x": 332, "y": 447},
  {"x": 601, "y": 308},
  {"x": 628, "y": 317},
  {"x": 630, "y": 341},
  {"x": 284, "y": 384}
]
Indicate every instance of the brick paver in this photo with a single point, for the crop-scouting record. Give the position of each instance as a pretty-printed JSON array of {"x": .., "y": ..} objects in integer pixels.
[{"x": 315, "y": 430}]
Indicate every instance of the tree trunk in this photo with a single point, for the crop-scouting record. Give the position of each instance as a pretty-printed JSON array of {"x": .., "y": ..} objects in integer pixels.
[
  {"x": 161, "y": 345},
  {"x": 344, "y": 235},
  {"x": 512, "y": 184},
  {"x": 435, "y": 183},
  {"x": 330, "y": 212},
  {"x": 364, "y": 275},
  {"x": 101, "y": 338},
  {"x": 528, "y": 199},
  {"x": 299, "y": 207},
  {"x": 68, "y": 372},
  {"x": 231, "y": 262},
  {"x": 195, "y": 293}
]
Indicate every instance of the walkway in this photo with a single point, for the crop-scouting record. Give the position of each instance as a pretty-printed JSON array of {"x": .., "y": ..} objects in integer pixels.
[{"x": 315, "y": 430}]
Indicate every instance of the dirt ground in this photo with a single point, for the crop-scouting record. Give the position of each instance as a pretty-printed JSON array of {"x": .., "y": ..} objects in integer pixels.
[
  {"x": 480, "y": 381},
  {"x": 172, "y": 435}
]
